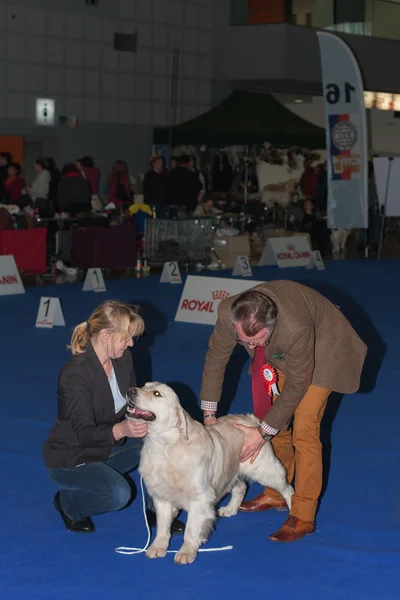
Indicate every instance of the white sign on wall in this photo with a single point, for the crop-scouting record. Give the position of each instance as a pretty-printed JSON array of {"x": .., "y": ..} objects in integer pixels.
[
  {"x": 10, "y": 280},
  {"x": 45, "y": 112},
  {"x": 202, "y": 295},
  {"x": 284, "y": 252},
  {"x": 387, "y": 177}
]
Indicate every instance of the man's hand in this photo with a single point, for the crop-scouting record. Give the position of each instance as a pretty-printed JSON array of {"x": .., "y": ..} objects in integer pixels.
[
  {"x": 209, "y": 418},
  {"x": 253, "y": 442}
]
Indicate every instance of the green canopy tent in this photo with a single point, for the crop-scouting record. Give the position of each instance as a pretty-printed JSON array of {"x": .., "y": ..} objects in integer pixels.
[{"x": 245, "y": 118}]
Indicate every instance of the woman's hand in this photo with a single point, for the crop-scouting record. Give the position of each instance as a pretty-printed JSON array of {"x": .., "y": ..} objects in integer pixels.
[
  {"x": 253, "y": 442},
  {"x": 130, "y": 428}
]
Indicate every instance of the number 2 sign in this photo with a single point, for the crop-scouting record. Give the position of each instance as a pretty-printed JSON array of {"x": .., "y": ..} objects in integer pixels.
[
  {"x": 171, "y": 273},
  {"x": 49, "y": 313}
]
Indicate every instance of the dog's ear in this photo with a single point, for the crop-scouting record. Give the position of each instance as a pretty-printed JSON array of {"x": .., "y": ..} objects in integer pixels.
[{"x": 182, "y": 422}]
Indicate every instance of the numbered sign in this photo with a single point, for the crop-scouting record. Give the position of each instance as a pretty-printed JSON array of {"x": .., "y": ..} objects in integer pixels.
[
  {"x": 316, "y": 260},
  {"x": 171, "y": 273},
  {"x": 242, "y": 267},
  {"x": 49, "y": 313},
  {"x": 94, "y": 281}
]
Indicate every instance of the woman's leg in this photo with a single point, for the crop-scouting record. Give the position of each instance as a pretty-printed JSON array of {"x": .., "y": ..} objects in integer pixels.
[
  {"x": 91, "y": 489},
  {"x": 125, "y": 458}
]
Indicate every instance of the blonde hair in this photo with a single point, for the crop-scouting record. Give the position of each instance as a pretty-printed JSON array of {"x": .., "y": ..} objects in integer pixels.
[{"x": 114, "y": 316}]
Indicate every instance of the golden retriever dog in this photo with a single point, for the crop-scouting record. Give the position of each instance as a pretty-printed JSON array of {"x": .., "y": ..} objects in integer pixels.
[{"x": 188, "y": 466}]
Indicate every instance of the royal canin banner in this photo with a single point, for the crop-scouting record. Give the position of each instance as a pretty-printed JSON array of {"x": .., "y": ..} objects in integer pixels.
[
  {"x": 346, "y": 134},
  {"x": 10, "y": 280},
  {"x": 294, "y": 251},
  {"x": 202, "y": 295}
]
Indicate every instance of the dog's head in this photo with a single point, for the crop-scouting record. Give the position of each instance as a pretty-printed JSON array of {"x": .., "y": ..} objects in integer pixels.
[{"x": 157, "y": 404}]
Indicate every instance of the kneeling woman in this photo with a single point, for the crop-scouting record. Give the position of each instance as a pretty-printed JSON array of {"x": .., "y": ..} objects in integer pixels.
[{"x": 91, "y": 445}]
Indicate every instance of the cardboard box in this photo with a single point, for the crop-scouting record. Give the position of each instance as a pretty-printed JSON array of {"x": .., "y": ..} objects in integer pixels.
[{"x": 229, "y": 248}]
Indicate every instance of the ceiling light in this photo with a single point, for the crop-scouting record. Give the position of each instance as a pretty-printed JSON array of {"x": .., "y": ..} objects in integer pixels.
[{"x": 299, "y": 101}]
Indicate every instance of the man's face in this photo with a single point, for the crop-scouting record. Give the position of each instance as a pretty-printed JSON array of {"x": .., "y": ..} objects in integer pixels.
[
  {"x": 260, "y": 339},
  {"x": 158, "y": 165}
]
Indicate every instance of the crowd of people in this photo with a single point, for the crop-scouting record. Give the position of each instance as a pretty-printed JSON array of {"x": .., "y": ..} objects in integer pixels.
[
  {"x": 167, "y": 190},
  {"x": 75, "y": 189}
]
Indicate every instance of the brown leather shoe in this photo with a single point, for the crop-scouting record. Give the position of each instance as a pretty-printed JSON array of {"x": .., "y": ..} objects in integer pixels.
[
  {"x": 263, "y": 501},
  {"x": 292, "y": 530}
]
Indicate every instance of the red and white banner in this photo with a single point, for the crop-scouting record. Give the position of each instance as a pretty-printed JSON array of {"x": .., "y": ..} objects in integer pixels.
[
  {"x": 292, "y": 251},
  {"x": 202, "y": 295},
  {"x": 10, "y": 280}
]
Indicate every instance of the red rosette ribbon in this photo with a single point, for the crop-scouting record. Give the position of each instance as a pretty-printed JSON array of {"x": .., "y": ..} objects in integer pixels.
[{"x": 270, "y": 377}]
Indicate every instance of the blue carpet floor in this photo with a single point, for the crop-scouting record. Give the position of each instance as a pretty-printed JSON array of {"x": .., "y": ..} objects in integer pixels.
[{"x": 355, "y": 553}]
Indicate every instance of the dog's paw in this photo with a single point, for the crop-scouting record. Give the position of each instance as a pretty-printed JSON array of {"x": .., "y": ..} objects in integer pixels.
[
  {"x": 227, "y": 511},
  {"x": 185, "y": 558},
  {"x": 156, "y": 552}
]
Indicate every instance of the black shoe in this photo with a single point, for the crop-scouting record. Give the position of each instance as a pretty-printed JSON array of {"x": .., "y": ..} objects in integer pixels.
[
  {"x": 177, "y": 527},
  {"x": 82, "y": 526}
]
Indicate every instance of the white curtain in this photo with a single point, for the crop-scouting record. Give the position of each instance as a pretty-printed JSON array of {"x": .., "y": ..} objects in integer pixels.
[{"x": 353, "y": 28}]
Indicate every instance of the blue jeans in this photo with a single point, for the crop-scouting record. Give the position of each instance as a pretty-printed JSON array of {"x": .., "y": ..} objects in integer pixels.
[{"x": 99, "y": 487}]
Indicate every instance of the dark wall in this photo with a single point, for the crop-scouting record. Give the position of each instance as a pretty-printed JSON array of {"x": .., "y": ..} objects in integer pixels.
[{"x": 289, "y": 55}]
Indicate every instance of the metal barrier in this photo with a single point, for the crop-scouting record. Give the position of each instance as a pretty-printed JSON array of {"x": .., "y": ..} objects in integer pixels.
[{"x": 187, "y": 241}]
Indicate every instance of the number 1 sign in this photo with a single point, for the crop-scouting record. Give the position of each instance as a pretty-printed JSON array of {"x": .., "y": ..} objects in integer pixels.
[
  {"x": 94, "y": 281},
  {"x": 49, "y": 313}
]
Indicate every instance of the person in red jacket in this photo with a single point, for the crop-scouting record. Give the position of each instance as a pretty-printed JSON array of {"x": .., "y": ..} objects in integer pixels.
[
  {"x": 14, "y": 184},
  {"x": 91, "y": 173},
  {"x": 119, "y": 189},
  {"x": 308, "y": 180}
]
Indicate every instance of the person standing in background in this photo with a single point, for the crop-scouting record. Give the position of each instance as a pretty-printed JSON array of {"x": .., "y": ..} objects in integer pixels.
[
  {"x": 183, "y": 186},
  {"x": 155, "y": 183},
  {"x": 5, "y": 161},
  {"x": 118, "y": 184}
]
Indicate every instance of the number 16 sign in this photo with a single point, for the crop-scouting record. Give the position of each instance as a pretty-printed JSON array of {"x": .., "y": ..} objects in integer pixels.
[{"x": 49, "y": 313}]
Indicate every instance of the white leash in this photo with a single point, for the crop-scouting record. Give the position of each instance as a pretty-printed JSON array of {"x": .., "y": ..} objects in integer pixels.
[{"x": 129, "y": 551}]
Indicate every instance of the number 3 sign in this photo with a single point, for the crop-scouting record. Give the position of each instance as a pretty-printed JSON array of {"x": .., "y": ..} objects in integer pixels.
[
  {"x": 242, "y": 267},
  {"x": 49, "y": 313}
]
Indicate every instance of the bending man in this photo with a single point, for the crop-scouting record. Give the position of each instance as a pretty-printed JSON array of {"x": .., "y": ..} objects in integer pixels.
[{"x": 296, "y": 335}]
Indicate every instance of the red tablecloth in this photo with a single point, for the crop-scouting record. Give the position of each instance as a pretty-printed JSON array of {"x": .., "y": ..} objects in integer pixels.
[
  {"x": 108, "y": 248},
  {"x": 28, "y": 246}
]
